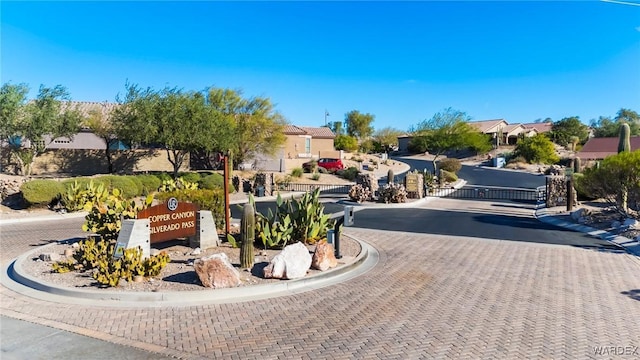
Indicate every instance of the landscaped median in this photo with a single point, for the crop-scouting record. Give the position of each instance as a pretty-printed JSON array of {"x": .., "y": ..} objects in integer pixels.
[{"x": 21, "y": 277}]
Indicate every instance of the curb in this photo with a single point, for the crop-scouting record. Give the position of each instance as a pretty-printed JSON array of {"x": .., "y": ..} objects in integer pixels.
[
  {"x": 14, "y": 278},
  {"x": 630, "y": 245}
]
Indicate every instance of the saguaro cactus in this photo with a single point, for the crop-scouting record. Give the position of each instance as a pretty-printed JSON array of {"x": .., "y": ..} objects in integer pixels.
[
  {"x": 624, "y": 142},
  {"x": 247, "y": 236},
  {"x": 390, "y": 176},
  {"x": 576, "y": 165}
]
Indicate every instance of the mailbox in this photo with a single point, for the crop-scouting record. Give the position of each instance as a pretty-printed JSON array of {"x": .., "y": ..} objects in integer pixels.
[{"x": 348, "y": 215}]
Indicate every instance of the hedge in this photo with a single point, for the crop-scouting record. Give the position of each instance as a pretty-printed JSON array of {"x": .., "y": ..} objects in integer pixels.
[{"x": 41, "y": 192}]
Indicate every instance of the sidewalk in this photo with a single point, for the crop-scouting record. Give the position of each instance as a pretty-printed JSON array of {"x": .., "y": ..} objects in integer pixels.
[{"x": 558, "y": 216}]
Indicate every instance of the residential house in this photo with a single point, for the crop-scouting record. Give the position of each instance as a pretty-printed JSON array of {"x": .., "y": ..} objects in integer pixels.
[
  {"x": 600, "y": 147},
  {"x": 537, "y": 128},
  {"x": 308, "y": 142}
]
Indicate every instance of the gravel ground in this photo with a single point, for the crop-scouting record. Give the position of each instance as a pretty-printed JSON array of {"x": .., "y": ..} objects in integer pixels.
[{"x": 179, "y": 274}]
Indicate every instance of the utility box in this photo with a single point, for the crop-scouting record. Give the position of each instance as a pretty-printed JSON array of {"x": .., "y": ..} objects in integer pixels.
[
  {"x": 348, "y": 215},
  {"x": 260, "y": 191}
]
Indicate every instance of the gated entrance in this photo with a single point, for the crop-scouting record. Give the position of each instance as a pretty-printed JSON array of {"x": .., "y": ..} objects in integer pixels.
[{"x": 537, "y": 195}]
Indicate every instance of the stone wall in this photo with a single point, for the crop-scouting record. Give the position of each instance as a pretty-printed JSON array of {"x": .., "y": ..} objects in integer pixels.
[{"x": 557, "y": 191}]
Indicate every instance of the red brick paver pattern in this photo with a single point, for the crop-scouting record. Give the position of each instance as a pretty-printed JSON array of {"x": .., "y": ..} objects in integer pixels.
[{"x": 429, "y": 297}]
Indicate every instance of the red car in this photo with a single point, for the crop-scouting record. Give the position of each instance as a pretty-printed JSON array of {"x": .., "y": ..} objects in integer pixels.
[{"x": 332, "y": 165}]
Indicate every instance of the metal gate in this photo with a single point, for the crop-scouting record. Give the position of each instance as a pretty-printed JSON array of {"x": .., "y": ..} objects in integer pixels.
[{"x": 537, "y": 195}]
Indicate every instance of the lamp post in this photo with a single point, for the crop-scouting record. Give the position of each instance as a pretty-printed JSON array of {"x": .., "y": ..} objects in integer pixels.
[{"x": 326, "y": 113}]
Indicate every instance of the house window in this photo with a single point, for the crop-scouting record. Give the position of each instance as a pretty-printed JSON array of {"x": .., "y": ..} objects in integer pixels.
[{"x": 307, "y": 145}]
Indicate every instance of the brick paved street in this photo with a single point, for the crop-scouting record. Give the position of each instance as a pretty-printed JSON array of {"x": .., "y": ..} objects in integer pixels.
[{"x": 430, "y": 296}]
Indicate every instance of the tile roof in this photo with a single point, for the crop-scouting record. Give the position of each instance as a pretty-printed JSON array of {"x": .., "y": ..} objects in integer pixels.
[
  {"x": 319, "y": 132},
  {"x": 541, "y": 127},
  {"x": 485, "y": 125},
  {"x": 600, "y": 148},
  {"x": 509, "y": 128},
  {"x": 294, "y": 130}
]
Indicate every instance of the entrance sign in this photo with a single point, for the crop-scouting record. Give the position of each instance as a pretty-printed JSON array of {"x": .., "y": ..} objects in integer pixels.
[{"x": 170, "y": 220}]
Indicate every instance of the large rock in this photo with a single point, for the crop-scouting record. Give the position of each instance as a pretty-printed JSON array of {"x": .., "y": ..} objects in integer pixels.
[
  {"x": 291, "y": 263},
  {"x": 324, "y": 257},
  {"x": 216, "y": 271},
  {"x": 579, "y": 214}
]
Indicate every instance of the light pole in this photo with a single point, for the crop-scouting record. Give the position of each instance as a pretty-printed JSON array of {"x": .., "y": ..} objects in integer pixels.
[{"x": 326, "y": 113}]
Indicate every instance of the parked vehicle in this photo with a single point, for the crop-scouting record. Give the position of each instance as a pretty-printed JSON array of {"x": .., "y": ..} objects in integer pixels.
[{"x": 330, "y": 164}]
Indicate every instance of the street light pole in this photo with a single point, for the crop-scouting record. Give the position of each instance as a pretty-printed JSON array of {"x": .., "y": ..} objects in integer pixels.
[{"x": 326, "y": 113}]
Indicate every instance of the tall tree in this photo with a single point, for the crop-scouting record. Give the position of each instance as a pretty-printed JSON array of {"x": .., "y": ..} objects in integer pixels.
[
  {"x": 358, "y": 124},
  {"x": 336, "y": 127},
  {"x": 99, "y": 122},
  {"x": 447, "y": 130},
  {"x": 562, "y": 130},
  {"x": 255, "y": 127},
  {"x": 36, "y": 123},
  {"x": 177, "y": 121},
  {"x": 605, "y": 126},
  {"x": 387, "y": 138}
]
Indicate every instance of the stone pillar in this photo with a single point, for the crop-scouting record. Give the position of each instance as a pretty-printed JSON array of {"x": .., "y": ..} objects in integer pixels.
[
  {"x": 206, "y": 233},
  {"x": 134, "y": 233}
]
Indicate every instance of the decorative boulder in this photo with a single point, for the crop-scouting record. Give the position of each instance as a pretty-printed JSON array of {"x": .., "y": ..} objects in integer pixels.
[
  {"x": 323, "y": 258},
  {"x": 216, "y": 271},
  {"x": 579, "y": 214},
  {"x": 291, "y": 263}
]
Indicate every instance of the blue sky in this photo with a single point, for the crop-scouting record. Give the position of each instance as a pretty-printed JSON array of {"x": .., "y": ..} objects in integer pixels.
[{"x": 400, "y": 61}]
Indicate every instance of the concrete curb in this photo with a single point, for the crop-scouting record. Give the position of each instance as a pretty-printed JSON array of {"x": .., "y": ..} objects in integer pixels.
[
  {"x": 15, "y": 278},
  {"x": 48, "y": 217},
  {"x": 630, "y": 245}
]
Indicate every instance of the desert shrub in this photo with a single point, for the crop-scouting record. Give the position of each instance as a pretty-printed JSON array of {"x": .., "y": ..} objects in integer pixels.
[
  {"x": 393, "y": 193},
  {"x": 315, "y": 176},
  {"x": 450, "y": 164},
  {"x": 349, "y": 173},
  {"x": 581, "y": 188},
  {"x": 125, "y": 183},
  {"x": 137, "y": 182},
  {"x": 537, "y": 149},
  {"x": 313, "y": 166},
  {"x": 211, "y": 182},
  {"x": 517, "y": 159},
  {"x": 322, "y": 170},
  {"x": 297, "y": 172},
  {"x": 206, "y": 199},
  {"x": 359, "y": 193},
  {"x": 149, "y": 184},
  {"x": 163, "y": 176},
  {"x": 192, "y": 177},
  {"x": 41, "y": 192},
  {"x": 447, "y": 176}
]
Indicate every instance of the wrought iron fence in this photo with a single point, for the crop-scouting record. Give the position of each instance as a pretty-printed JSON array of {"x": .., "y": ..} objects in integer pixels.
[
  {"x": 324, "y": 188},
  {"x": 492, "y": 193}
]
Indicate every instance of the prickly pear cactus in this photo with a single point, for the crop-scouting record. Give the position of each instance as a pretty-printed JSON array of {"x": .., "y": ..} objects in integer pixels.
[{"x": 247, "y": 236}]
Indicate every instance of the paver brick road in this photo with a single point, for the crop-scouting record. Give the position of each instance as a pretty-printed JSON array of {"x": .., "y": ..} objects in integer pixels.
[{"x": 430, "y": 296}]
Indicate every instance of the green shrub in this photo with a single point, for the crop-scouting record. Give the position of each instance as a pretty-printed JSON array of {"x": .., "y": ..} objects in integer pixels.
[
  {"x": 137, "y": 182},
  {"x": 192, "y": 177},
  {"x": 297, "y": 172},
  {"x": 315, "y": 177},
  {"x": 214, "y": 181},
  {"x": 450, "y": 164},
  {"x": 212, "y": 200},
  {"x": 150, "y": 183},
  {"x": 349, "y": 173},
  {"x": 163, "y": 176},
  {"x": 447, "y": 176},
  {"x": 41, "y": 192},
  {"x": 123, "y": 183},
  {"x": 83, "y": 182}
]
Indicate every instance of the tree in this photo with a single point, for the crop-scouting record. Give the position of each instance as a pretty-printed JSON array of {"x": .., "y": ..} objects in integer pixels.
[
  {"x": 253, "y": 125},
  {"x": 607, "y": 127},
  {"x": 359, "y": 125},
  {"x": 562, "y": 130},
  {"x": 387, "y": 138},
  {"x": 99, "y": 122},
  {"x": 29, "y": 127},
  {"x": 617, "y": 174},
  {"x": 537, "y": 149},
  {"x": 445, "y": 131},
  {"x": 178, "y": 122},
  {"x": 346, "y": 143},
  {"x": 336, "y": 127}
]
